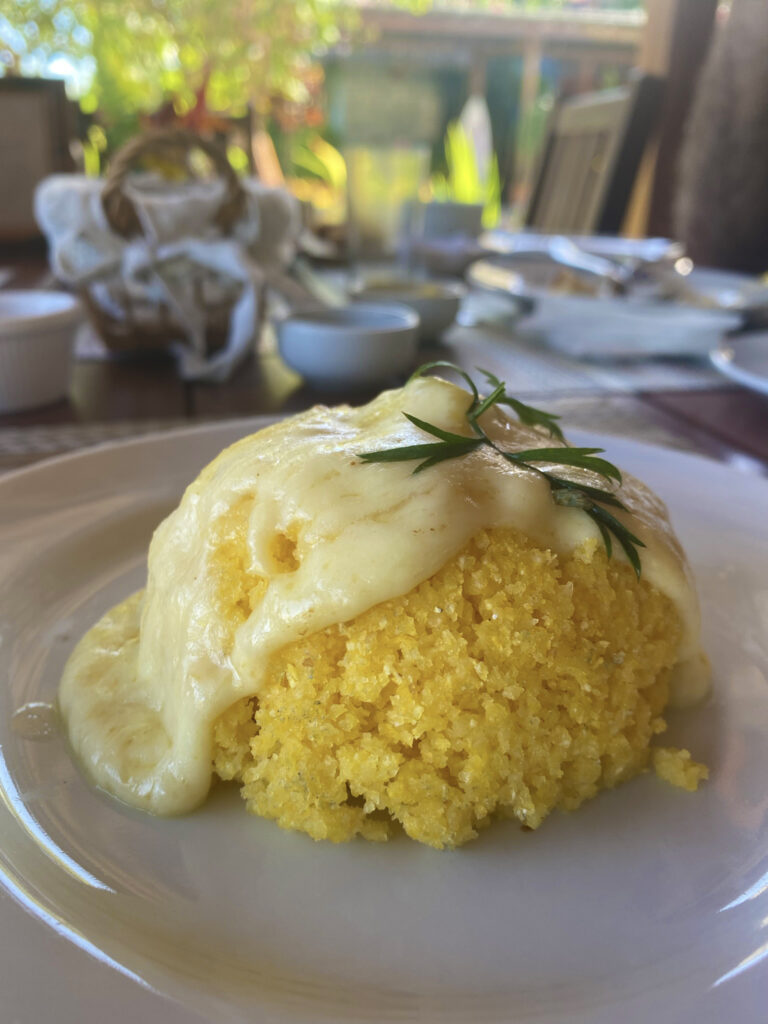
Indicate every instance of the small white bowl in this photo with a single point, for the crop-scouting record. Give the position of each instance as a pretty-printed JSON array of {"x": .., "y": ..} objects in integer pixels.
[
  {"x": 436, "y": 302},
  {"x": 355, "y": 346},
  {"x": 37, "y": 332}
]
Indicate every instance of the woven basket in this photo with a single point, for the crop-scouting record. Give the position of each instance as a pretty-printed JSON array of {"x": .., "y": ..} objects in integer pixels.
[{"x": 129, "y": 325}]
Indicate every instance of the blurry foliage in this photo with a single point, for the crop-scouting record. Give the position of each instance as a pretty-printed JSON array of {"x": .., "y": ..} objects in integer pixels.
[
  {"x": 543, "y": 5},
  {"x": 319, "y": 159},
  {"x": 320, "y": 178},
  {"x": 463, "y": 182},
  {"x": 185, "y": 60},
  {"x": 135, "y": 54}
]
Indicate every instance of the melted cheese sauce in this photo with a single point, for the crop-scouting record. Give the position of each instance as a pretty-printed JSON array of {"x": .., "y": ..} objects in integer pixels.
[{"x": 325, "y": 538}]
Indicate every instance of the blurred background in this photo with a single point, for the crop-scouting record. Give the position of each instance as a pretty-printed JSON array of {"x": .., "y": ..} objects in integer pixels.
[{"x": 313, "y": 92}]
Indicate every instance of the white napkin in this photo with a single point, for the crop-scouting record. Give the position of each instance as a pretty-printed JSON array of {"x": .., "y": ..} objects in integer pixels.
[{"x": 180, "y": 255}]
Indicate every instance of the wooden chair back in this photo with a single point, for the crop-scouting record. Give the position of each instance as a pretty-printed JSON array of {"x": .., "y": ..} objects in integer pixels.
[{"x": 590, "y": 159}]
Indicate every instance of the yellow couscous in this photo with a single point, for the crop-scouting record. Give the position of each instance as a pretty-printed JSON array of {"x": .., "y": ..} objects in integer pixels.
[
  {"x": 364, "y": 648},
  {"x": 510, "y": 683}
]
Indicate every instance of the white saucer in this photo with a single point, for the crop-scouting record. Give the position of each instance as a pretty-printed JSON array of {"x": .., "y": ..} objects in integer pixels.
[{"x": 745, "y": 360}]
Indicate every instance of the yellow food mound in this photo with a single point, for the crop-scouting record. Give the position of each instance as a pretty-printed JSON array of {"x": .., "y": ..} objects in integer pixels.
[
  {"x": 678, "y": 767},
  {"x": 512, "y": 682}
]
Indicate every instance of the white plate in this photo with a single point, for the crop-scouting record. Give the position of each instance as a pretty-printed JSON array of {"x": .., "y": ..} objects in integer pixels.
[
  {"x": 619, "y": 329},
  {"x": 647, "y": 904},
  {"x": 648, "y": 250},
  {"x": 724, "y": 289},
  {"x": 745, "y": 360},
  {"x": 603, "y": 327}
]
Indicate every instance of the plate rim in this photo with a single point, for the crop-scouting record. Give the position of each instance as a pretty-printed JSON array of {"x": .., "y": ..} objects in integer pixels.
[
  {"x": 260, "y": 421},
  {"x": 722, "y": 358},
  {"x": 178, "y": 434}
]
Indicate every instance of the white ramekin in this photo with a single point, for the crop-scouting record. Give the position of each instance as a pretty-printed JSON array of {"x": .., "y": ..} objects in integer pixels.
[
  {"x": 357, "y": 346},
  {"x": 37, "y": 331}
]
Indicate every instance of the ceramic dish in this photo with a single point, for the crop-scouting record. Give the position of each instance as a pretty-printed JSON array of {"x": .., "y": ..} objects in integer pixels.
[
  {"x": 37, "y": 332},
  {"x": 607, "y": 327},
  {"x": 646, "y": 250},
  {"x": 617, "y": 329},
  {"x": 361, "y": 345},
  {"x": 664, "y": 278},
  {"x": 716, "y": 289},
  {"x": 435, "y": 302},
  {"x": 535, "y": 274},
  {"x": 648, "y": 904},
  {"x": 745, "y": 360}
]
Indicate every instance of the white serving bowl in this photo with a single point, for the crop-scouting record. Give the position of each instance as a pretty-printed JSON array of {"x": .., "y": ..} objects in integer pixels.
[
  {"x": 355, "y": 346},
  {"x": 708, "y": 288},
  {"x": 619, "y": 329},
  {"x": 37, "y": 332},
  {"x": 436, "y": 302}
]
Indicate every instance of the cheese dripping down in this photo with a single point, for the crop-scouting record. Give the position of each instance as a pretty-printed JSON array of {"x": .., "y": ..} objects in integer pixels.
[{"x": 326, "y": 538}]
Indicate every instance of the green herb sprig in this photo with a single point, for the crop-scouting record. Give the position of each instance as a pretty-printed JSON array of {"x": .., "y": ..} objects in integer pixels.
[{"x": 568, "y": 493}]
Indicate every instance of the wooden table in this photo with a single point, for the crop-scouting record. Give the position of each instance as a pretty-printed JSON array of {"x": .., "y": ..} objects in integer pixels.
[{"x": 119, "y": 398}]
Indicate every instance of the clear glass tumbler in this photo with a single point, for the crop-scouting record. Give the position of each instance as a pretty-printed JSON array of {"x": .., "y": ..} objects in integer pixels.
[{"x": 382, "y": 184}]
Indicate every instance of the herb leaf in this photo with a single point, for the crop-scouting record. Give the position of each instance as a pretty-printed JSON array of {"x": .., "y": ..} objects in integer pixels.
[
  {"x": 628, "y": 541},
  {"x": 527, "y": 414},
  {"x": 430, "y": 428},
  {"x": 421, "y": 451},
  {"x": 605, "y": 497},
  {"x": 492, "y": 399},
  {"x": 445, "y": 365},
  {"x": 581, "y": 457},
  {"x": 567, "y": 493},
  {"x": 607, "y": 539}
]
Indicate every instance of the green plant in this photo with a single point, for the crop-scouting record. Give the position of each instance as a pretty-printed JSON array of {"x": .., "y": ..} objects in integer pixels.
[
  {"x": 319, "y": 159},
  {"x": 126, "y": 57},
  {"x": 463, "y": 183},
  {"x": 318, "y": 175}
]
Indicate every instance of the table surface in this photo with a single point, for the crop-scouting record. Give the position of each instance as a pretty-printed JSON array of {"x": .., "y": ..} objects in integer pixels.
[{"x": 677, "y": 405}]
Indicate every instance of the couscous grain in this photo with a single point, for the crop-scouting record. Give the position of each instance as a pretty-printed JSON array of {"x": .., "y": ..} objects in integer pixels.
[{"x": 511, "y": 683}]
